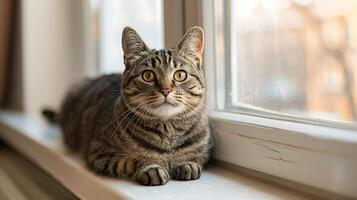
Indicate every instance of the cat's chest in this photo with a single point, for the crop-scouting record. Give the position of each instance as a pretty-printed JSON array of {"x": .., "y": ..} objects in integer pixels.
[
  {"x": 170, "y": 135},
  {"x": 174, "y": 129}
]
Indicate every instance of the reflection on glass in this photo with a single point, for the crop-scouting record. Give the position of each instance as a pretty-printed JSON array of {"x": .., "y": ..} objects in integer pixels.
[
  {"x": 296, "y": 57},
  {"x": 113, "y": 15}
]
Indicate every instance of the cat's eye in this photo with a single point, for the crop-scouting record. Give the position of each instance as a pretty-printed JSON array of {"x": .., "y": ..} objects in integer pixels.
[
  {"x": 148, "y": 76},
  {"x": 180, "y": 75}
]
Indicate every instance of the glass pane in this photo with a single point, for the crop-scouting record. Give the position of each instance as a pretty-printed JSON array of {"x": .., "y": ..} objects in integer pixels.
[
  {"x": 294, "y": 57},
  {"x": 145, "y": 16}
]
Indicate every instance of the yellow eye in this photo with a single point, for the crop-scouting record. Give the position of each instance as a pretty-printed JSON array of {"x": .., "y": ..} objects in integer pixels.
[
  {"x": 148, "y": 76},
  {"x": 180, "y": 75}
]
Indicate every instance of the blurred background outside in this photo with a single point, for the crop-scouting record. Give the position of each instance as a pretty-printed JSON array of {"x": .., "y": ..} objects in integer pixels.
[
  {"x": 109, "y": 17},
  {"x": 296, "y": 57}
]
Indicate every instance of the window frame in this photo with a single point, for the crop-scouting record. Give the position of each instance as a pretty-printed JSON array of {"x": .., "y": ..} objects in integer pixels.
[{"x": 312, "y": 154}]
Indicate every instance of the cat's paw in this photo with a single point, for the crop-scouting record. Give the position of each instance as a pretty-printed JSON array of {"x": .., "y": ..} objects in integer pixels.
[
  {"x": 126, "y": 167},
  {"x": 187, "y": 171},
  {"x": 152, "y": 175}
]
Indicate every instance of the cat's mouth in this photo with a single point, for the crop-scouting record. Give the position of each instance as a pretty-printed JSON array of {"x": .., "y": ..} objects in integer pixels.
[
  {"x": 166, "y": 103},
  {"x": 166, "y": 109}
]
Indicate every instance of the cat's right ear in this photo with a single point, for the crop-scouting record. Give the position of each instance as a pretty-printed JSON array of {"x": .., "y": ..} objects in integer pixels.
[{"x": 133, "y": 46}]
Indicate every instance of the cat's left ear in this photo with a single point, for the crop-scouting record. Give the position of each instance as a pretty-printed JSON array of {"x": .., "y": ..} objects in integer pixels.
[
  {"x": 191, "y": 45},
  {"x": 133, "y": 46}
]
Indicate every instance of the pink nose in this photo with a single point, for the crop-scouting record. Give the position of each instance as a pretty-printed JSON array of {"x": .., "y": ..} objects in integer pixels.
[{"x": 165, "y": 91}]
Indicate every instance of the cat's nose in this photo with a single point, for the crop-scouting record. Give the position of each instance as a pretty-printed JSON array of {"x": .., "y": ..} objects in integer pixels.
[{"x": 165, "y": 91}]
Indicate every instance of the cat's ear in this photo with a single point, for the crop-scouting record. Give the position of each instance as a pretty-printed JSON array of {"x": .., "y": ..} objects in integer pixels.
[
  {"x": 191, "y": 45},
  {"x": 133, "y": 46}
]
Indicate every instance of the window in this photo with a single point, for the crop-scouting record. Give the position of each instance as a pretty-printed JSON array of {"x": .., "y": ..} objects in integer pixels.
[
  {"x": 146, "y": 16},
  {"x": 291, "y": 59},
  {"x": 281, "y": 88}
]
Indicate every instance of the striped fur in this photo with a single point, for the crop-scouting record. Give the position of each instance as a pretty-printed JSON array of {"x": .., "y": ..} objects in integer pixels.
[{"x": 125, "y": 127}]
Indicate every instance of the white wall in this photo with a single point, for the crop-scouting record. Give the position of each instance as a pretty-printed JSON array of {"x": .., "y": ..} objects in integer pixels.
[{"x": 53, "y": 50}]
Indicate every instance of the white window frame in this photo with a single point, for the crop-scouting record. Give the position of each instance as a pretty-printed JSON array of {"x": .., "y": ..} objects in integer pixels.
[{"x": 322, "y": 157}]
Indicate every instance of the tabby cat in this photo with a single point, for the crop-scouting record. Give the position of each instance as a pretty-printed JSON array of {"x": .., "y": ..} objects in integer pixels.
[{"x": 148, "y": 124}]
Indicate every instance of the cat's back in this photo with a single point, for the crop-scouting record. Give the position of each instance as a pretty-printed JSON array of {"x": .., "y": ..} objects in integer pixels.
[{"x": 87, "y": 106}]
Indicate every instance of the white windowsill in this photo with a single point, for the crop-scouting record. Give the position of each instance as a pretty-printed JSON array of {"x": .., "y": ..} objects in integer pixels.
[
  {"x": 42, "y": 144},
  {"x": 323, "y": 158}
]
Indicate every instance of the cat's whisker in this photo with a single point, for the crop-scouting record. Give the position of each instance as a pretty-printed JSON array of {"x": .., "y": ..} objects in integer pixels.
[
  {"x": 128, "y": 113},
  {"x": 140, "y": 119},
  {"x": 115, "y": 117},
  {"x": 213, "y": 126}
]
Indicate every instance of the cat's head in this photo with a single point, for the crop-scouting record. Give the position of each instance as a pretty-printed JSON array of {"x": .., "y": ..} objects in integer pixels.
[{"x": 163, "y": 83}]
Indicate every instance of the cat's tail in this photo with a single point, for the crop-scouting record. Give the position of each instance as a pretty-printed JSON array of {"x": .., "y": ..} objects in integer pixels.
[{"x": 50, "y": 115}]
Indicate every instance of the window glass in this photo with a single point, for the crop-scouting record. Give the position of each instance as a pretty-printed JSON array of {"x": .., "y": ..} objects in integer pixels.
[
  {"x": 292, "y": 57},
  {"x": 145, "y": 16}
]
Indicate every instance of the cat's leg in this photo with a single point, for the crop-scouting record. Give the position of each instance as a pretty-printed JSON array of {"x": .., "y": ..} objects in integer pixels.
[
  {"x": 107, "y": 160},
  {"x": 151, "y": 173}
]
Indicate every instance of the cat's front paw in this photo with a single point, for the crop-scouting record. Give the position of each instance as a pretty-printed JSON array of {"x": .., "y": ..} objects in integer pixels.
[
  {"x": 153, "y": 175},
  {"x": 187, "y": 171}
]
